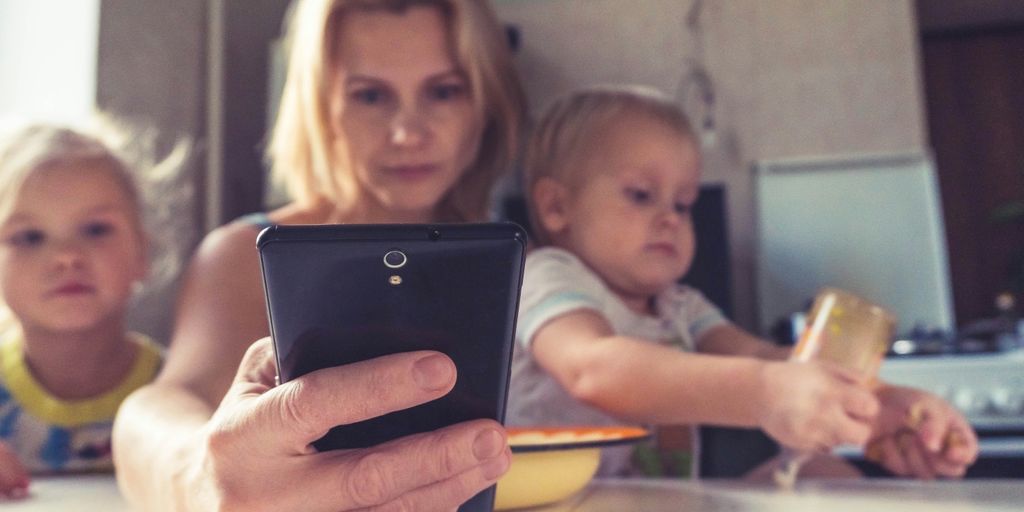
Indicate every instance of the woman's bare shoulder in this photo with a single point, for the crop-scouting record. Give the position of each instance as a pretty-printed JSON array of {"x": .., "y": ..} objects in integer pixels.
[{"x": 227, "y": 243}]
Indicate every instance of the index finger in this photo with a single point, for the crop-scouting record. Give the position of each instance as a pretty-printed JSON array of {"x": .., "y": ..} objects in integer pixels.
[{"x": 301, "y": 411}]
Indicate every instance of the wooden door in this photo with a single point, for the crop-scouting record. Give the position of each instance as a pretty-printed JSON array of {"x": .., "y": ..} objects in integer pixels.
[{"x": 974, "y": 88}]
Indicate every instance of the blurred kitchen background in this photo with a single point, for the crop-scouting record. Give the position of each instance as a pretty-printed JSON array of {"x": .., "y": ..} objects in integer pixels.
[{"x": 910, "y": 113}]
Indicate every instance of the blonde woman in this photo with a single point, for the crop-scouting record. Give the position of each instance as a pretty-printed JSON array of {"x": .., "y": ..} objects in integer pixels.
[{"x": 393, "y": 111}]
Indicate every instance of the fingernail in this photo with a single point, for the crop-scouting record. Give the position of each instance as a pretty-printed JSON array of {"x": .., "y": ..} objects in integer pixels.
[
  {"x": 494, "y": 468},
  {"x": 433, "y": 372},
  {"x": 488, "y": 444}
]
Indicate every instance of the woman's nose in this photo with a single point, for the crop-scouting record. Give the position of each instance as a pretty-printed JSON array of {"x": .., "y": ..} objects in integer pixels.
[{"x": 408, "y": 129}]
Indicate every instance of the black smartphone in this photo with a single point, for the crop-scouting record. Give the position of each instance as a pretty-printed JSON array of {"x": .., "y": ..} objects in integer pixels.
[{"x": 338, "y": 294}]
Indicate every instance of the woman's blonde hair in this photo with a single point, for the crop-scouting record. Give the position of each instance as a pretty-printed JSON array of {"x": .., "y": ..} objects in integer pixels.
[
  {"x": 564, "y": 132},
  {"x": 301, "y": 153}
]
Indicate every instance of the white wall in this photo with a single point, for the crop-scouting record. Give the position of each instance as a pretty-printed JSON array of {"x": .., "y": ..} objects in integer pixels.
[
  {"x": 48, "y": 59},
  {"x": 791, "y": 78}
]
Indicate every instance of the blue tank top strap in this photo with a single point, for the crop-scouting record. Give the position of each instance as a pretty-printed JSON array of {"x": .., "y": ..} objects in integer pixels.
[{"x": 258, "y": 220}]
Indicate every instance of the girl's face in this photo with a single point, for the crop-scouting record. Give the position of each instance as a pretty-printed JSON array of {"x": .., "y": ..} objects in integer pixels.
[
  {"x": 70, "y": 250},
  {"x": 403, "y": 111},
  {"x": 629, "y": 217}
]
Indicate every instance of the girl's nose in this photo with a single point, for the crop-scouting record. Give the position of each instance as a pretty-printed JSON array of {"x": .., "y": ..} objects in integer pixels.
[{"x": 69, "y": 254}]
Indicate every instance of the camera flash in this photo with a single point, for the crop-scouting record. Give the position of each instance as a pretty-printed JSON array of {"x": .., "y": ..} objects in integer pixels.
[{"x": 395, "y": 280}]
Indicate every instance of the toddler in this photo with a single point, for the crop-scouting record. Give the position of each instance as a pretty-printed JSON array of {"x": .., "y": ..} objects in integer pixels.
[
  {"x": 72, "y": 250},
  {"x": 606, "y": 335}
]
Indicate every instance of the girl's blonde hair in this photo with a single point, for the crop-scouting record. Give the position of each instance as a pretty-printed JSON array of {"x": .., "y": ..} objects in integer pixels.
[
  {"x": 301, "y": 153},
  {"x": 32, "y": 149},
  {"x": 564, "y": 132}
]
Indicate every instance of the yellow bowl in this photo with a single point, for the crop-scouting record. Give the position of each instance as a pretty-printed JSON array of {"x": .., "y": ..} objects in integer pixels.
[{"x": 550, "y": 464}]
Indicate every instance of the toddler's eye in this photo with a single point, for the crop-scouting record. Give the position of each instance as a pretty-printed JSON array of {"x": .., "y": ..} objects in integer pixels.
[
  {"x": 97, "y": 229},
  {"x": 27, "y": 238},
  {"x": 446, "y": 92},
  {"x": 638, "y": 195},
  {"x": 682, "y": 209}
]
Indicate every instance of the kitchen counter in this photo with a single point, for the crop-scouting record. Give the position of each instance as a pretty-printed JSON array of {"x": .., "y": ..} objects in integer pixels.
[
  {"x": 85, "y": 493},
  {"x": 809, "y": 495},
  {"x": 97, "y": 493}
]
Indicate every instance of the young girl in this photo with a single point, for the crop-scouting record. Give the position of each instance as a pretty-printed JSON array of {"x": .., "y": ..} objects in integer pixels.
[
  {"x": 607, "y": 336},
  {"x": 72, "y": 249}
]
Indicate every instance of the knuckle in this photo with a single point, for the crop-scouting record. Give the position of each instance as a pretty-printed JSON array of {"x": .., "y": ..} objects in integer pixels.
[
  {"x": 294, "y": 408},
  {"x": 368, "y": 483},
  {"x": 449, "y": 461},
  {"x": 219, "y": 441}
]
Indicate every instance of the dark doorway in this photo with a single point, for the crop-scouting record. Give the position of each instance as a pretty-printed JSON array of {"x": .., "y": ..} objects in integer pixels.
[{"x": 974, "y": 87}]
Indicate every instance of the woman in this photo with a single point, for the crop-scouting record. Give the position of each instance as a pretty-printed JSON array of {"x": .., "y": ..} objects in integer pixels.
[{"x": 393, "y": 111}]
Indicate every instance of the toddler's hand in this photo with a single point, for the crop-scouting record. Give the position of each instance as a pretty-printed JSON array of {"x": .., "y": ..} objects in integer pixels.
[
  {"x": 13, "y": 476},
  {"x": 921, "y": 435},
  {"x": 814, "y": 406}
]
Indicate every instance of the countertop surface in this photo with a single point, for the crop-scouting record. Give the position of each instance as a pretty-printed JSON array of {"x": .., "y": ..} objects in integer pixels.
[
  {"x": 809, "y": 495},
  {"x": 99, "y": 493}
]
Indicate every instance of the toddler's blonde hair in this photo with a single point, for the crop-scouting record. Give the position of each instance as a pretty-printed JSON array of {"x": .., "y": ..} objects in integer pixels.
[{"x": 567, "y": 126}]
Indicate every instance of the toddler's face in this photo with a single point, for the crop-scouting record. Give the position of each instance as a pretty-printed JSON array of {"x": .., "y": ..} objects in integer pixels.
[
  {"x": 70, "y": 250},
  {"x": 629, "y": 218}
]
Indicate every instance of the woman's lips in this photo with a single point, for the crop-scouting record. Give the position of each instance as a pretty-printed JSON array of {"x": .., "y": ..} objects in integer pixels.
[
  {"x": 412, "y": 172},
  {"x": 73, "y": 289}
]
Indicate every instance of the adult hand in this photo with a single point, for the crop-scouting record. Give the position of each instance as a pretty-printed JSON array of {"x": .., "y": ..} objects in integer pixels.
[
  {"x": 921, "y": 435},
  {"x": 13, "y": 475},
  {"x": 814, "y": 406},
  {"x": 257, "y": 444}
]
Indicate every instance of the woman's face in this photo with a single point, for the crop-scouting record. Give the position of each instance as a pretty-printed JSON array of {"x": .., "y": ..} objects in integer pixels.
[{"x": 403, "y": 111}]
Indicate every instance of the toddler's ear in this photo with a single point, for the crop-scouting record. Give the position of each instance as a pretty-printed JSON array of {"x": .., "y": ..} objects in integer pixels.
[{"x": 550, "y": 199}]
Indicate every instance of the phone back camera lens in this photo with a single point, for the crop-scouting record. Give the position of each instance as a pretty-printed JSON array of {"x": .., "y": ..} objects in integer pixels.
[
  {"x": 395, "y": 259},
  {"x": 435, "y": 234}
]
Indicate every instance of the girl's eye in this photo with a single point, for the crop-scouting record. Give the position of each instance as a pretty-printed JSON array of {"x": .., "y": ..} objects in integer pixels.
[
  {"x": 369, "y": 96},
  {"x": 638, "y": 195},
  {"x": 447, "y": 92},
  {"x": 682, "y": 209},
  {"x": 97, "y": 229},
  {"x": 27, "y": 238}
]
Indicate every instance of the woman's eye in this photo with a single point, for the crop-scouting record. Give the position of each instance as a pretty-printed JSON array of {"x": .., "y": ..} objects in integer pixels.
[
  {"x": 97, "y": 229},
  {"x": 27, "y": 238},
  {"x": 638, "y": 195},
  {"x": 369, "y": 96},
  {"x": 446, "y": 92}
]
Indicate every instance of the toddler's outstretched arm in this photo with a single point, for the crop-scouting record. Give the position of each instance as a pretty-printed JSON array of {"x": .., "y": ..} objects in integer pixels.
[
  {"x": 729, "y": 340},
  {"x": 809, "y": 406}
]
